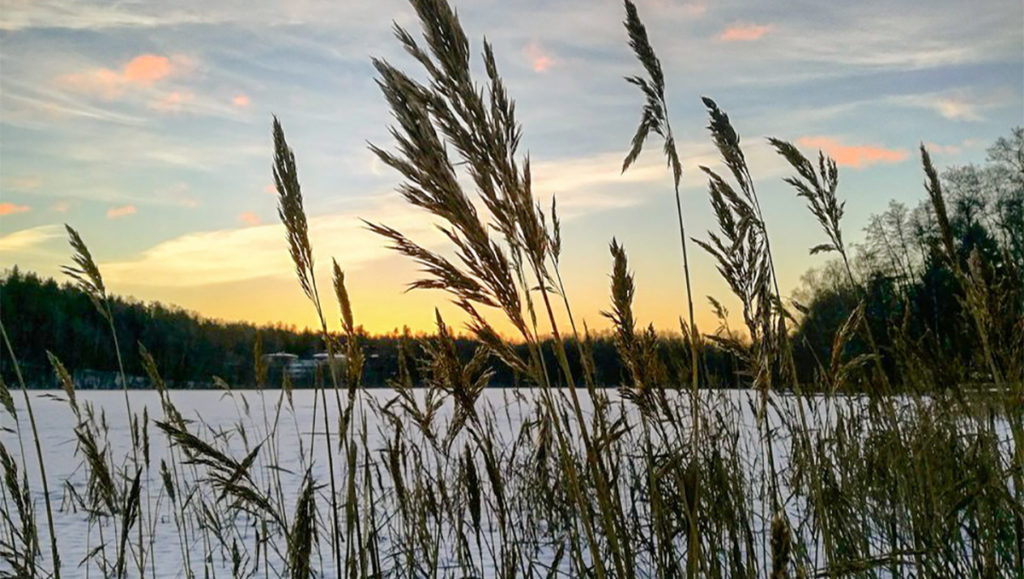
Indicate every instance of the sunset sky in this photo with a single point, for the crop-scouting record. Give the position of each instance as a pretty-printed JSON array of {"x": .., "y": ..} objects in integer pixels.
[{"x": 146, "y": 126}]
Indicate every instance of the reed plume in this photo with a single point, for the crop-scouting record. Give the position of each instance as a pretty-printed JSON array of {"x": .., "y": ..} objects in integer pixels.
[
  {"x": 293, "y": 216},
  {"x": 654, "y": 117}
]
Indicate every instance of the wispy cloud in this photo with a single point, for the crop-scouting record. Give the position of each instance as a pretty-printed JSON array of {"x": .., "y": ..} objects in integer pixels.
[
  {"x": 958, "y": 110},
  {"x": 692, "y": 9},
  {"x": 24, "y": 183},
  {"x": 250, "y": 218},
  {"x": 943, "y": 149},
  {"x": 258, "y": 251},
  {"x": 240, "y": 100},
  {"x": 173, "y": 102},
  {"x": 584, "y": 185},
  {"x": 29, "y": 238},
  {"x": 142, "y": 71},
  {"x": 101, "y": 15},
  {"x": 593, "y": 183},
  {"x": 744, "y": 32},
  {"x": 855, "y": 156},
  {"x": 955, "y": 108},
  {"x": 176, "y": 194},
  {"x": 964, "y": 104},
  {"x": 695, "y": 9},
  {"x": 952, "y": 107},
  {"x": 8, "y": 208},
  {"x": 89, "y": 16},
  {"x": 955, "y": 148},
  {"x": 60, "y": 207},
  {"x": 122, "y": 211}
]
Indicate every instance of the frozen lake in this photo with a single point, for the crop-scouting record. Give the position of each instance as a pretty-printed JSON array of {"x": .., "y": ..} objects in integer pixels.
[{"x": 222, "y": 418}]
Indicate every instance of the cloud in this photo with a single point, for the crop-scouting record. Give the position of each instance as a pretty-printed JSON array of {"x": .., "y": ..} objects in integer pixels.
[
  {"x": 250, "y": 218},
  {"x": 961, "y": 104},
  {"x": 176, "y": 194},
  {"x": 663, "y": 8},
  {"x": 856, "y": 156},
  {"x": 240, "y": 101},
  {"x": 104, "y": 83},
  {"x": 695, "y": 9},
  {"x": 8, "y": 208},
  {"x": 24, "y": 183},
  {"x": 122, "y": 211},
  {"x": 954, "y": 108},
  {"x": 539, "y": 59},
  {"x": 943, "y": 149},
  {"x": 744, "y": 32},
  {"x": 957, "y": 148},
  {"x": 29, "y": 238},
  {"x": 147, "y": 68},
  {"x": 60, "y": 207},
  {"x": 260, "y": 251},
  {"x": 594, "y": 183},
  {"x": 142, "y": 71},
  {"x": 101, "y": 15},
  {"x": 172, "y": 103}
]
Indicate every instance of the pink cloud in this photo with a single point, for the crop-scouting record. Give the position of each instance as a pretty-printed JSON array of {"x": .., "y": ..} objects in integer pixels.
[
  {"x": 943, "y": 149},
  {"x": 60, "y": 207},
  {"x": 172, "y": 102},
  {"x": 744, "y": 32},
  {"x": 122, "y": 211},
  {"x": 250, "y": 218},
  {"x": 270, "y": 189},
  {"x": 539, "y": 59},
  {"x": 854, "y": 155},
  {"x": 7, "y": 208},
  {"x": 104, "y": 83},
  {"x": 147, "y": 68},
  {"x": 141, "y": 71},
  {"x": 240, "y": 101}
]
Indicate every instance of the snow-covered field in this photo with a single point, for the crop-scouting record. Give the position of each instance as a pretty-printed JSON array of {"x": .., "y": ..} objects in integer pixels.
[{"x": 220, "y": 417}]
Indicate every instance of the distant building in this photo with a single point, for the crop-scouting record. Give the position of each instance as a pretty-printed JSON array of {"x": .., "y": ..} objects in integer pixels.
[
  {"x": 301, "y": 371},
  {"x": 279, "y": 358},
  {"x": 321, "y": 362}
]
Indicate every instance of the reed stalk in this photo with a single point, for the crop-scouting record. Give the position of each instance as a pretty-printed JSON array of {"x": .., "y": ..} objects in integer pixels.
[{"x": 39, "y": 452}]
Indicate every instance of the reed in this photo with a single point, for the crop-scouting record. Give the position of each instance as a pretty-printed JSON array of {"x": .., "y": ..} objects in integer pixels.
[{"x": 28, "y": 531}]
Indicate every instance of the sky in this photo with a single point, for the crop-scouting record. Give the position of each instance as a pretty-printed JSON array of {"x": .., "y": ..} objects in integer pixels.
[{"x": 146, "y": 125}]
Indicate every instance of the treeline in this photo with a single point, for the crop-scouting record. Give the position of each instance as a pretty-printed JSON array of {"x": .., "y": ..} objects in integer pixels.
[
  {"x": 912, "y": 300},
  {"x": 42, "y": 315}
]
